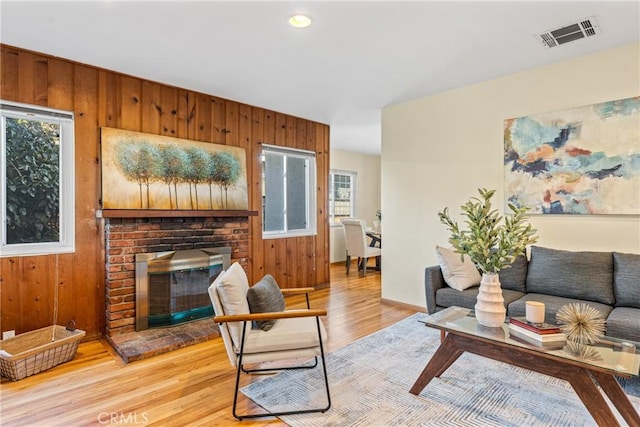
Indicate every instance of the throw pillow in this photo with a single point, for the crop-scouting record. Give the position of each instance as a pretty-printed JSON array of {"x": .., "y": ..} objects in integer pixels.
[
  {"x": 459, "y": 274},
  {"x": 265, "y": 297},
  {"x": 232, "y": 289}
]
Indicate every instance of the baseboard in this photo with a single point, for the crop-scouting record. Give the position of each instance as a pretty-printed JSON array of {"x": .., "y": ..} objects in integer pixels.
[
  {"x": 353, "y": 261},
  {"x": 403, "y": 305}
]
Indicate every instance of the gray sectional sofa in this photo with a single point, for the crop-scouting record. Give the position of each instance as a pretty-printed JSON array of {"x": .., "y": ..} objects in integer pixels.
[{"x": 609, "y": 281}]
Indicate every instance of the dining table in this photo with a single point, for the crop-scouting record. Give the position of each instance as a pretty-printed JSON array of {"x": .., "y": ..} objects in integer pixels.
[
  {"x": 376, "y": 241},
  {"x": 376, "y": 238}
]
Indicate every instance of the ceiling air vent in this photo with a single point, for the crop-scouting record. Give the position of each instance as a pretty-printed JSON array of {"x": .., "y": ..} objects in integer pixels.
[{"x": 587, "y": 27}]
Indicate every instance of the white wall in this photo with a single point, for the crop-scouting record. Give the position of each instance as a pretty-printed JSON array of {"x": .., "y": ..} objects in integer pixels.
[
  {"x": 367, "y": 193},
  {"x": 438, "y": 150}
]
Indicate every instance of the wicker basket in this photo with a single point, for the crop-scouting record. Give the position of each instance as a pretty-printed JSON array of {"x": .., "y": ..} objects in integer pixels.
[{"x": 32, "y": 352}]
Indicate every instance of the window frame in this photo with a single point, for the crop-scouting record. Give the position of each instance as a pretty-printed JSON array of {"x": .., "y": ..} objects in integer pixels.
[
  {"x": 310, "y": 201},
  {"x": 331, "y": 208},
  {"x": 66, "y": 236}
]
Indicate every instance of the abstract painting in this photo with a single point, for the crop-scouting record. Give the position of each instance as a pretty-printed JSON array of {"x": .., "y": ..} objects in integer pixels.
[
  {"x": 584, "y": 160},
  {"x": 144, "y": 171}
]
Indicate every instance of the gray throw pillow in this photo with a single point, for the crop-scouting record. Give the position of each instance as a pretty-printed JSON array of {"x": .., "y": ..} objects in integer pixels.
[
  {"x": 626, "y": 279},
  {"x": 265, "y": 297}
]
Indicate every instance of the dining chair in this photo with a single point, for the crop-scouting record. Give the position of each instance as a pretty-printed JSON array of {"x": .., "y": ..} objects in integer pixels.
[
  {"x": 356, "y": 243},
  {"x": 279, "y": 335}
]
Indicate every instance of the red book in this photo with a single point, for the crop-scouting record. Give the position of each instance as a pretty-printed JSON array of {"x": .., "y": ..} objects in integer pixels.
[{"x": 539, "y": 328}]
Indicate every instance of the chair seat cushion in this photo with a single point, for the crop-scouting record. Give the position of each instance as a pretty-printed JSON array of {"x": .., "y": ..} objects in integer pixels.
[
  {"x": 372, "y": 252},
  {"x": 286, "y": 334}
]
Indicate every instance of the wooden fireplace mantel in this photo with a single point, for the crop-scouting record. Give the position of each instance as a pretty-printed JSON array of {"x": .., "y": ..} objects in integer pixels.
[{"x": 165, "y": 213}]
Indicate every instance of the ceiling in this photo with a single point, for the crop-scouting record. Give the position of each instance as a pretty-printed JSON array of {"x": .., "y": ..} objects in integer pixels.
[{"x": 355, "y": 59}]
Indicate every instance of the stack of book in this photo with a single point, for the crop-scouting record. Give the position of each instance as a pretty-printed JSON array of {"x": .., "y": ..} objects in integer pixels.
[{"x": 540, "y": 334}]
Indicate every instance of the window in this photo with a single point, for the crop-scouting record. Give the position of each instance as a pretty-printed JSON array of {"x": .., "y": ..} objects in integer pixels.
[
  {"x": 288, "y": 192},
  {"x": 342, "y": 196},
  {"x": 37, "y": 172}
]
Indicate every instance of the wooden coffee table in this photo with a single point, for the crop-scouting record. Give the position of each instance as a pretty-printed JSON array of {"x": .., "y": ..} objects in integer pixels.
[{"x": 463, "y": 333}]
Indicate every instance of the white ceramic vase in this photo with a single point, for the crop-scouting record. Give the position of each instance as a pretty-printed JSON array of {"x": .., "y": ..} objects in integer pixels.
[{"x": 489, "y": 307}]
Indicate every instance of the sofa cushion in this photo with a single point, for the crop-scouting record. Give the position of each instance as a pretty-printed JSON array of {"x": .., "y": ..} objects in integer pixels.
[
  {"x": 459, "y": 272},
  {"x": 584, "y": 276},
  {"x": 626, "y": 279},
  {"x": 624, "y": 322},
  {"x": 514, "y": 277},
  {"x": 265, "y": 297},
  {"x": 551, "y": 306},
  {"x": 446, "y": 297}
]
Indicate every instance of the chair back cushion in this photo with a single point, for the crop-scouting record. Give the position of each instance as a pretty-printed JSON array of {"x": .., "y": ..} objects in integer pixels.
[
  {"x": 224, "y": 329},
  {"x": 355, "y": 237},
  {"x": 265, "y": 297},
  {"x": 232, "y": 287}
]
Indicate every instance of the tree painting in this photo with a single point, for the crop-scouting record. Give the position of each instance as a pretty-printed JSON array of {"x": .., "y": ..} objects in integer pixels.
[
  {"x": 169, "y": 173},
  {"x": 198, "y": 170},
  {"x": 225, "y": 174},
  {"x": 175, "y": 162},
  {"x": 142, "y": 164}
]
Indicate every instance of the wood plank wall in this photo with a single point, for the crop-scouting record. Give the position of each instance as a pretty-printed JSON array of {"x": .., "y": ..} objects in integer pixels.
[{"x": 101, "y": 97}]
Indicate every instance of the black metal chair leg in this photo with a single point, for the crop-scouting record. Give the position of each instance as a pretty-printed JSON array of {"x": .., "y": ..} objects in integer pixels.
[{"x": 276, "y": 414}]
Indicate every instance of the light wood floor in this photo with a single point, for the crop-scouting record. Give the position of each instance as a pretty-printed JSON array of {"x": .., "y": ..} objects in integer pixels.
[{"x": 191, "y": 386}]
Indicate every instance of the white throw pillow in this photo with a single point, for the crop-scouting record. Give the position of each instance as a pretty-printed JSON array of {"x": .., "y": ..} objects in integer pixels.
[
  {"x": 458, "y": 274},
  {"x": 232, "y": 290}
]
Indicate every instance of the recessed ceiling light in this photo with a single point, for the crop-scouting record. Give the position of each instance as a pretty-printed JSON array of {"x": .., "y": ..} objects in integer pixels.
[{"x": 300, "y": 21}]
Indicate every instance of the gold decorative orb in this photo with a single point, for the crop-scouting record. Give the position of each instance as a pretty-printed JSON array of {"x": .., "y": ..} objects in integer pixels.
[{"x": 582, "y": 323}]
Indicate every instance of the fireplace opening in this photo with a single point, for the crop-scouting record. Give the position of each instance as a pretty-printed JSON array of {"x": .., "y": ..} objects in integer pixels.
[{"x": 172, "y": 287}]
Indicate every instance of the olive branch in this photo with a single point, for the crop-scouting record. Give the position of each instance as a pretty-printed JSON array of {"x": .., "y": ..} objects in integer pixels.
[{"x": 492, "y": 241}]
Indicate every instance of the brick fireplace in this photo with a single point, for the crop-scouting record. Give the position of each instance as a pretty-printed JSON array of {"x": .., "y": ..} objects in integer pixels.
[{"x": 126, "y": 237}]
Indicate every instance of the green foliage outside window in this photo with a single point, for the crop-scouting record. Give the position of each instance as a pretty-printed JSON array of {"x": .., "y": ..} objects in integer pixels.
[{"x": 33, "y": 177}]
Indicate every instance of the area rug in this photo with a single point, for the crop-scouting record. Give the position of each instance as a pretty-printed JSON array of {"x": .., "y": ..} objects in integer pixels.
[{"x": 370, "y": 381}]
